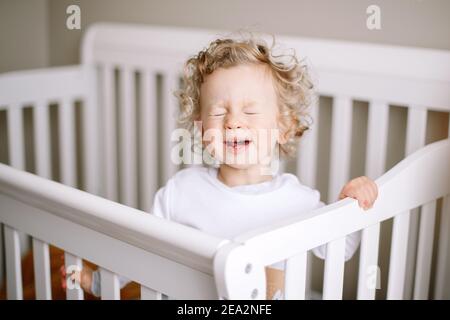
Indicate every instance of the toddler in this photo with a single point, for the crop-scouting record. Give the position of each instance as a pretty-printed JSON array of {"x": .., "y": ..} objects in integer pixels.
[{"x": 249, "y": 107}]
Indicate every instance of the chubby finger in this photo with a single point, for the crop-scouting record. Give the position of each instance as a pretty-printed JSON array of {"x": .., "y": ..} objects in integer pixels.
[
  {"x": 363, "y": 199},
  {"x": 373, "y": 193},
  {"x": 368, "y": 198}
]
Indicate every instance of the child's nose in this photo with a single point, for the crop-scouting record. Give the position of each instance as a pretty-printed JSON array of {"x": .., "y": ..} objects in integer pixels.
[{"x": 233, "y": 122}]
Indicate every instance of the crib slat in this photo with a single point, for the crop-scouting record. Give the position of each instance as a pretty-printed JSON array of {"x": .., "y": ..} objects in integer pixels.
[
  {"x": 340, "y": 146},
  {"x": 368, "y": 259},
  {"x": 415, "y": 139},
  {"x": 91, "y": 134},
  {"x": 169, "y": 109},
  {"x": 14, "y": 290},
  {"x": 17, "y": 154},
  {"x": 377, "y": 139},
  {"x": 307, "y": 151},
  {"x": 397, "y": 264},
  {"x": 67, "y": 142},
  {"x": 150, "y": 294},
  {"x": 128, "y": 139},
  {"x": 442, "y": 279},
  {"x": 424, "y": 251},
  {"x": 110, "y": 286},
  {"x": 42, "y": 140},
  {"x": 110, "y": 133},
  {"x": 41, "y": 261},
  {"x": 295, "y": 277},
  {"x": 375, "y": 166},
  {"x": 333, "y": 281},
  {"x": 15, "y": 137},
  {"x": 148, "y": 140},
  {"x": 71, "y": 260}
]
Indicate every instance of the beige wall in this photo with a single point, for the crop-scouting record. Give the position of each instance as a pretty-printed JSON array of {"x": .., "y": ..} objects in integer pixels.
[
  {"x": 23, "y": 34},
  {"x": 33, "y": 33},
  {"x": 404, "y": 22}
]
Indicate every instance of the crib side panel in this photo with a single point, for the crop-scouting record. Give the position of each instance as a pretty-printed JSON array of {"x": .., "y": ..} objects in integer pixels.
[
  {"x": 41, "y": 117},
  {"x": 426, "y": 167},
  {"x": 151, "y": 270}
]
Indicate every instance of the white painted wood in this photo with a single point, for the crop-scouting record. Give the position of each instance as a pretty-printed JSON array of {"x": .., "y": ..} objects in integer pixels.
[
  {"x": 148, "y": 139},
  {"x": 42, "y": 140},
  {"x": 295, "y": 277},
  {"x": 424, "y": 251},
  {"x": 348, "y": 55},
  {"x": 110, "y": 133},
  {"x": 150, "y": 294},
  {"x": 127, "y": 153},
  {"x": 41, "y": 263},
  {"x": 152, "y": 233},
  {"x": 110, "y": 287},
  {"x": 92, "y": 131},
  {"x": 395, "y": 89},
  {"x": 375, "y": 166},
  {"x": 72, "y": 261},
  {"x": 20, "y": 87},
  {"x": 368, "y": 262},
  {"x": 340, "y": 146},
  {"x": 15, "y": 137},
  {"x": 131, "y": 247},
  {"x": 442, "y": 278},
  {"x": 67, "y": 142},
  {"x": 429, "y": 165},
  {"x": 238, "y": 273},
  {"x": 333, "y": 280},
  {"x": 377, "y": 133},
  {"x": 415, "y": 139},
  {"x": 14, "y": 290},
  {"x": 17, "y": 153},
  {"x": 169, "y": 114},
  {"x": 397, "y": 264}
]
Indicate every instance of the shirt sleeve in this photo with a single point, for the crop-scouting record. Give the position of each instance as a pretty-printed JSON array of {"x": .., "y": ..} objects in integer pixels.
[
  {"x": 161, "y": 202},
  {"x": 160, "y": 209}
]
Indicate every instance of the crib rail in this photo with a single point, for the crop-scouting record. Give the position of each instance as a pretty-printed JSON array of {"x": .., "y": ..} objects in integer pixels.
[
  {"x": 121, "y": 240},
  {"x": 416, "y": 181},
  {"x": 348, "y": 73}
]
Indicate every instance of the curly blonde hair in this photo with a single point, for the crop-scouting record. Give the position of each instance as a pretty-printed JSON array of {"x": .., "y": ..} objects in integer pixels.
[{"x": 292, "y": 82}]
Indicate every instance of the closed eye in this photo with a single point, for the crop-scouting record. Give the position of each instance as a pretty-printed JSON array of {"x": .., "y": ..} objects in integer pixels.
[{"x": 251, "y": 113}]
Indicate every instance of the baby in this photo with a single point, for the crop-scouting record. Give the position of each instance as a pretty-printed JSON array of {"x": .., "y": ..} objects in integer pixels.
[{"x": 249, "y": 107}]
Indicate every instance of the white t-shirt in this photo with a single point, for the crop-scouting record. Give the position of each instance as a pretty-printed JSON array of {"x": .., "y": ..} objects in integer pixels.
[{"x": 196, "y": 197}]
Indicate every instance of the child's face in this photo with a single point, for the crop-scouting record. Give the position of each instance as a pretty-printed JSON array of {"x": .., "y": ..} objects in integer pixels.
[{"x": 239, "y": 115}]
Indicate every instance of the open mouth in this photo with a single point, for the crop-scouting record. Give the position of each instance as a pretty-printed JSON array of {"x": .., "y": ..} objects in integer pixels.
[{"x": 237, "y": 144}]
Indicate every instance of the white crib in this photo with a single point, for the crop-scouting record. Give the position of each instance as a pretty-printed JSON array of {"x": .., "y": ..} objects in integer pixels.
[{"x": 125, "y": 110}]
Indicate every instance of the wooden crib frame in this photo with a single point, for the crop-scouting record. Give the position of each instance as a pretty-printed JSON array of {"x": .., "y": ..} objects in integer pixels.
[{"x": 93, "y": 225}]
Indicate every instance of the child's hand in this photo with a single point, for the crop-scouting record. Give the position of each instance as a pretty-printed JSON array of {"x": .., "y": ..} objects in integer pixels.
[
  {"x": 84, "y": 278},
  {"x": 362, "y": 189}
]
